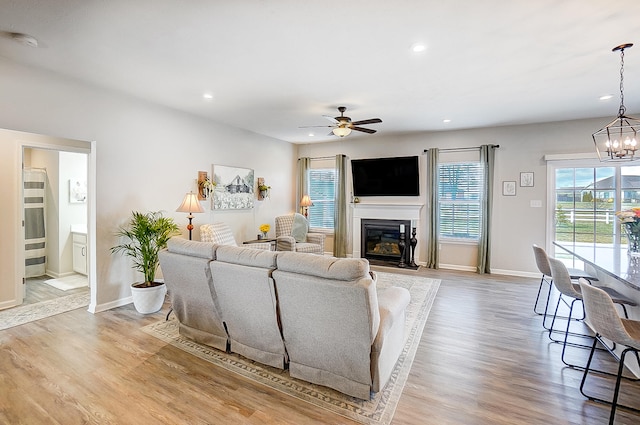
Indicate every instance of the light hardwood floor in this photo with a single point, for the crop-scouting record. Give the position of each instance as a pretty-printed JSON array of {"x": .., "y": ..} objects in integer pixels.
[
  {"x": 483, "y": 359},
  {"x": 37, "y": 291}
]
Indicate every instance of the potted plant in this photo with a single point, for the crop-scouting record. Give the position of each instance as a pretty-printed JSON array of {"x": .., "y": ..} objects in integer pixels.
[
  {"x": 264, "y": 190},
  {"x": 143, "y": 237},
  {"x": 206, "y": 187}
]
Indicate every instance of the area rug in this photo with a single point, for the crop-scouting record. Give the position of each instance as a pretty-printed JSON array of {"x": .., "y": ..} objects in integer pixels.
[
  {"x": 379, "y": 410},
  {"x": 28, "y": 313},
  {"x": 68, "y": 282}
]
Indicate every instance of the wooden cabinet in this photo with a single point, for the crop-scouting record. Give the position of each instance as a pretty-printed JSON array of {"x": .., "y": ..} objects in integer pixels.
[{"x": 80, "y": 253}]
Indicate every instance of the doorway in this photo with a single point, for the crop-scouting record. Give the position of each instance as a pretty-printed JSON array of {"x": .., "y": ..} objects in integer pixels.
[
  {"x": 55, "y": 196},
  {"x": 12, "y": 244}
]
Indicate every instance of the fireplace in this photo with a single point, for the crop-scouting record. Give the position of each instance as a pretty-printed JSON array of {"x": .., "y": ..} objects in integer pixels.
[
  {"x": 380, "y": 241},
  {"x": 394, "y": 212}
]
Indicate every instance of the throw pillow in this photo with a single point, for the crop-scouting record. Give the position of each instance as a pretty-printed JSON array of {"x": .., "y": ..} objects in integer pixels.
[{"x": 299, "y": 228}]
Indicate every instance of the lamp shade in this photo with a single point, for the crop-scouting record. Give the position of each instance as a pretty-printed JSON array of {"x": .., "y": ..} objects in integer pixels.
[
  {"x": 341, "y": 131},
  {"x": 190, "y": 204},
  {"x": 306, "y": 201}
]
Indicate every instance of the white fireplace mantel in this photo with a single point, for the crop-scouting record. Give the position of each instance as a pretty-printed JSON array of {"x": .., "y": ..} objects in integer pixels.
[{"x": 383, "y": 211}]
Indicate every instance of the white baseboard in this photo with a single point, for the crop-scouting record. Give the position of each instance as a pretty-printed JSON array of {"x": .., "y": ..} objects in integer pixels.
[
  {"x": 97, "y": 308},
  {"x": 457, "y": 267}
]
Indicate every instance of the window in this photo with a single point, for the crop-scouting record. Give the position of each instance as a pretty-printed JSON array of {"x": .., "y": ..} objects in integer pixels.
[
  {"x": 322, "y": 189},
  {"x": 586, "y": 199},
  {"x": 459, "y": 194}
]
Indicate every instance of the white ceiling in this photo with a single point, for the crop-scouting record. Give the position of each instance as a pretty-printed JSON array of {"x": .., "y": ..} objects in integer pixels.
[{"x": 276, "y": 65}]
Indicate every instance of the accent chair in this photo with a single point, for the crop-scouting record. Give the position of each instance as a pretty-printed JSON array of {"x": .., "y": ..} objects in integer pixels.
[
  {"x": 220, "y": 234},
  {"x": 292, "y": 234}
]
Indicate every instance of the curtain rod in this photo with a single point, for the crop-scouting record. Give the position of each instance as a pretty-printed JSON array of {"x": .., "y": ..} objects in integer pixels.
[
  {"x": 322, "y": 157},
  {"x": 460, "y": 149}
]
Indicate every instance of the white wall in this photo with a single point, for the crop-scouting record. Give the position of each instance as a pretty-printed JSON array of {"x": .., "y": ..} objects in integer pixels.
[
  {"x": 148, "y": 157},
  {"x": 516, "y": 225},
  {"x": 73, "y": 166}
]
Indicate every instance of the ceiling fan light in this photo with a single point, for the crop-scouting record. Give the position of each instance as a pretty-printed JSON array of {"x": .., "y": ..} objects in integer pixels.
[{"x": 341, "y": 131}]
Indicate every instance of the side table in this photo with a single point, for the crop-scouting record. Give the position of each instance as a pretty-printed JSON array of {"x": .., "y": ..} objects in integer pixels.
[{"x": 268, "y": 240}]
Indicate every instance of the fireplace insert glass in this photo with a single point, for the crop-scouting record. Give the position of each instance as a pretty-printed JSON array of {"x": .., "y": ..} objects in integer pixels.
[{"x": 380, "y": 240}]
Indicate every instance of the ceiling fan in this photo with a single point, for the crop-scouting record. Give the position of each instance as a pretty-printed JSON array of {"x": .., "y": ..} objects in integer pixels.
[{"x": 342, "y": 126}]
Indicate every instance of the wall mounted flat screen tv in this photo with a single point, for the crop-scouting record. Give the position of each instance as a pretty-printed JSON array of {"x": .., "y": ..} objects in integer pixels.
[{"x": 386, "y": 176}]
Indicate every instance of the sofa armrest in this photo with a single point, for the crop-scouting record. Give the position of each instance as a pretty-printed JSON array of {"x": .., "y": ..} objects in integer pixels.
[
  {"x": 316, "y": 238},
  {"x": 392, "y": 304},
  {"x": 389, "y": 342},
  {"x": 285, "y": 243}
]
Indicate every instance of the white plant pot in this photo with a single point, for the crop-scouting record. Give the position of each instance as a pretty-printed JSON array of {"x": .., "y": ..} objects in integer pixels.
[{"x": 148, "y": 300}]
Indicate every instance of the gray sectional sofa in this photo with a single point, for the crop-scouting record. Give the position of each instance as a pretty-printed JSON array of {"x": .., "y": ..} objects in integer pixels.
[{"x": 318, "y": 316}]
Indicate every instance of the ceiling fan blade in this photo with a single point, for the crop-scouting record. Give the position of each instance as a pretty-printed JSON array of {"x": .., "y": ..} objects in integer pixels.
[
  {"x": 370, "y": 121},
  {"x": 364, "y": 130},
  {"x": 313, "y": 126},
  {"x": 333, "y": 120}
]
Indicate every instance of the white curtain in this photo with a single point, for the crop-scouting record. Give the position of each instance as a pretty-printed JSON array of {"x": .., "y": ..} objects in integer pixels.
[{"x": 34, "y": 222}]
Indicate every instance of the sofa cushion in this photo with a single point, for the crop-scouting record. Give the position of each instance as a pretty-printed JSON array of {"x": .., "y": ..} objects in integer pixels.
[
  {"x": 323, "y": 266},
  {"x": 246, "y": 256},
  {"x": 199, "y": 249},
  {"x": 299, "y": 228}
]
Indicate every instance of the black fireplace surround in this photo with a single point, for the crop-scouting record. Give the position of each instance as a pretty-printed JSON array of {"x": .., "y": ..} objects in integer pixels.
[{"x": 380, "y": 241}]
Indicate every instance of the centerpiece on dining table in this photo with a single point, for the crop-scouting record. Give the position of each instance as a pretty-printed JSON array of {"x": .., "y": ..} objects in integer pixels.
[{"x": 630, "y": 220}]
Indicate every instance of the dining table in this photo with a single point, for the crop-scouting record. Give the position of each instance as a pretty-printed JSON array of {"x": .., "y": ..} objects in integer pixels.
[{"x": 613, "y": 260}]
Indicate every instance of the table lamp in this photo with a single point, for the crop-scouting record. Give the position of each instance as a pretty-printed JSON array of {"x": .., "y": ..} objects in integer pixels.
[
  {"x": 190, "y": 205},
  {"x": 305, "y": 203}
]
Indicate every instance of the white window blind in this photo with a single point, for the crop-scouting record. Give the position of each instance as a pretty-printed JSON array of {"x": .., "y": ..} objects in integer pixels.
[
  {"x": 322, "y": 189},
  {"x": 459, "y": 193}
]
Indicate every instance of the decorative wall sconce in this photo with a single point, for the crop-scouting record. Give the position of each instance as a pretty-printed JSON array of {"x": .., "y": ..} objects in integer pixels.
[
  {"x": 205, "y": 186},
  {"x": 263, "y": 189}
]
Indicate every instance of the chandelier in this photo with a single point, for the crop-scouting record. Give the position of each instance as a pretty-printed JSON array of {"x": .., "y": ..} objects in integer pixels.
[{"x": 618, "y": 140}]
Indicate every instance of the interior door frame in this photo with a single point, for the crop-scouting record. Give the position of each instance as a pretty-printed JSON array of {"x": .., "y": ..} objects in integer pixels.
[{"x": 61, "y": 145}]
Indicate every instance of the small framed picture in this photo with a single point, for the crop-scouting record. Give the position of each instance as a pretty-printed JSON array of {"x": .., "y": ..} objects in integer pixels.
[
  {"x": 526, "y": 179},
  {"x": 77, "y": 191},
  {"x": 509, "y": 188}
]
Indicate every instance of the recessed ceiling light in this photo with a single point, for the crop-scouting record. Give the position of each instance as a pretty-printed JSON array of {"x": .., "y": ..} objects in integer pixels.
[
  {"x": 418, "y": 48},
  {"x": 311, "y": 135},
  {"x": 207, "y": 96},
  {"x": 606, "y": 97},
  {"x": 446, "y": 120}
]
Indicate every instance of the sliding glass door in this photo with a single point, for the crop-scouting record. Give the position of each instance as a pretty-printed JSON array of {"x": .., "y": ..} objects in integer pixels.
[{"x": 586, "y": 198}]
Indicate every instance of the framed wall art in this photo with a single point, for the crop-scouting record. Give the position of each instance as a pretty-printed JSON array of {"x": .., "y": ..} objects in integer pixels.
[
  {"x": 509, "y": 188},
  {"x": 526, "y": 179},
  {"x": 234, "y": 188},
  {"x": 77, "y": 191}
]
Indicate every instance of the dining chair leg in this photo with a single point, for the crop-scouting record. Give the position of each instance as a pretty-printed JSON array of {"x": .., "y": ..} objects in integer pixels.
[
  {"x": 614, "y": 403},
  {"x": 616, "y": 392},
  {"x": 535, "y": 306},
  {"x": 546, "y": 308},
  {"x": 566, "y": 332}
]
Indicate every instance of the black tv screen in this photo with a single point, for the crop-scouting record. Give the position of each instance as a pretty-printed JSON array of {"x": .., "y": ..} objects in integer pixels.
[{"x": 386, "y": 176}]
